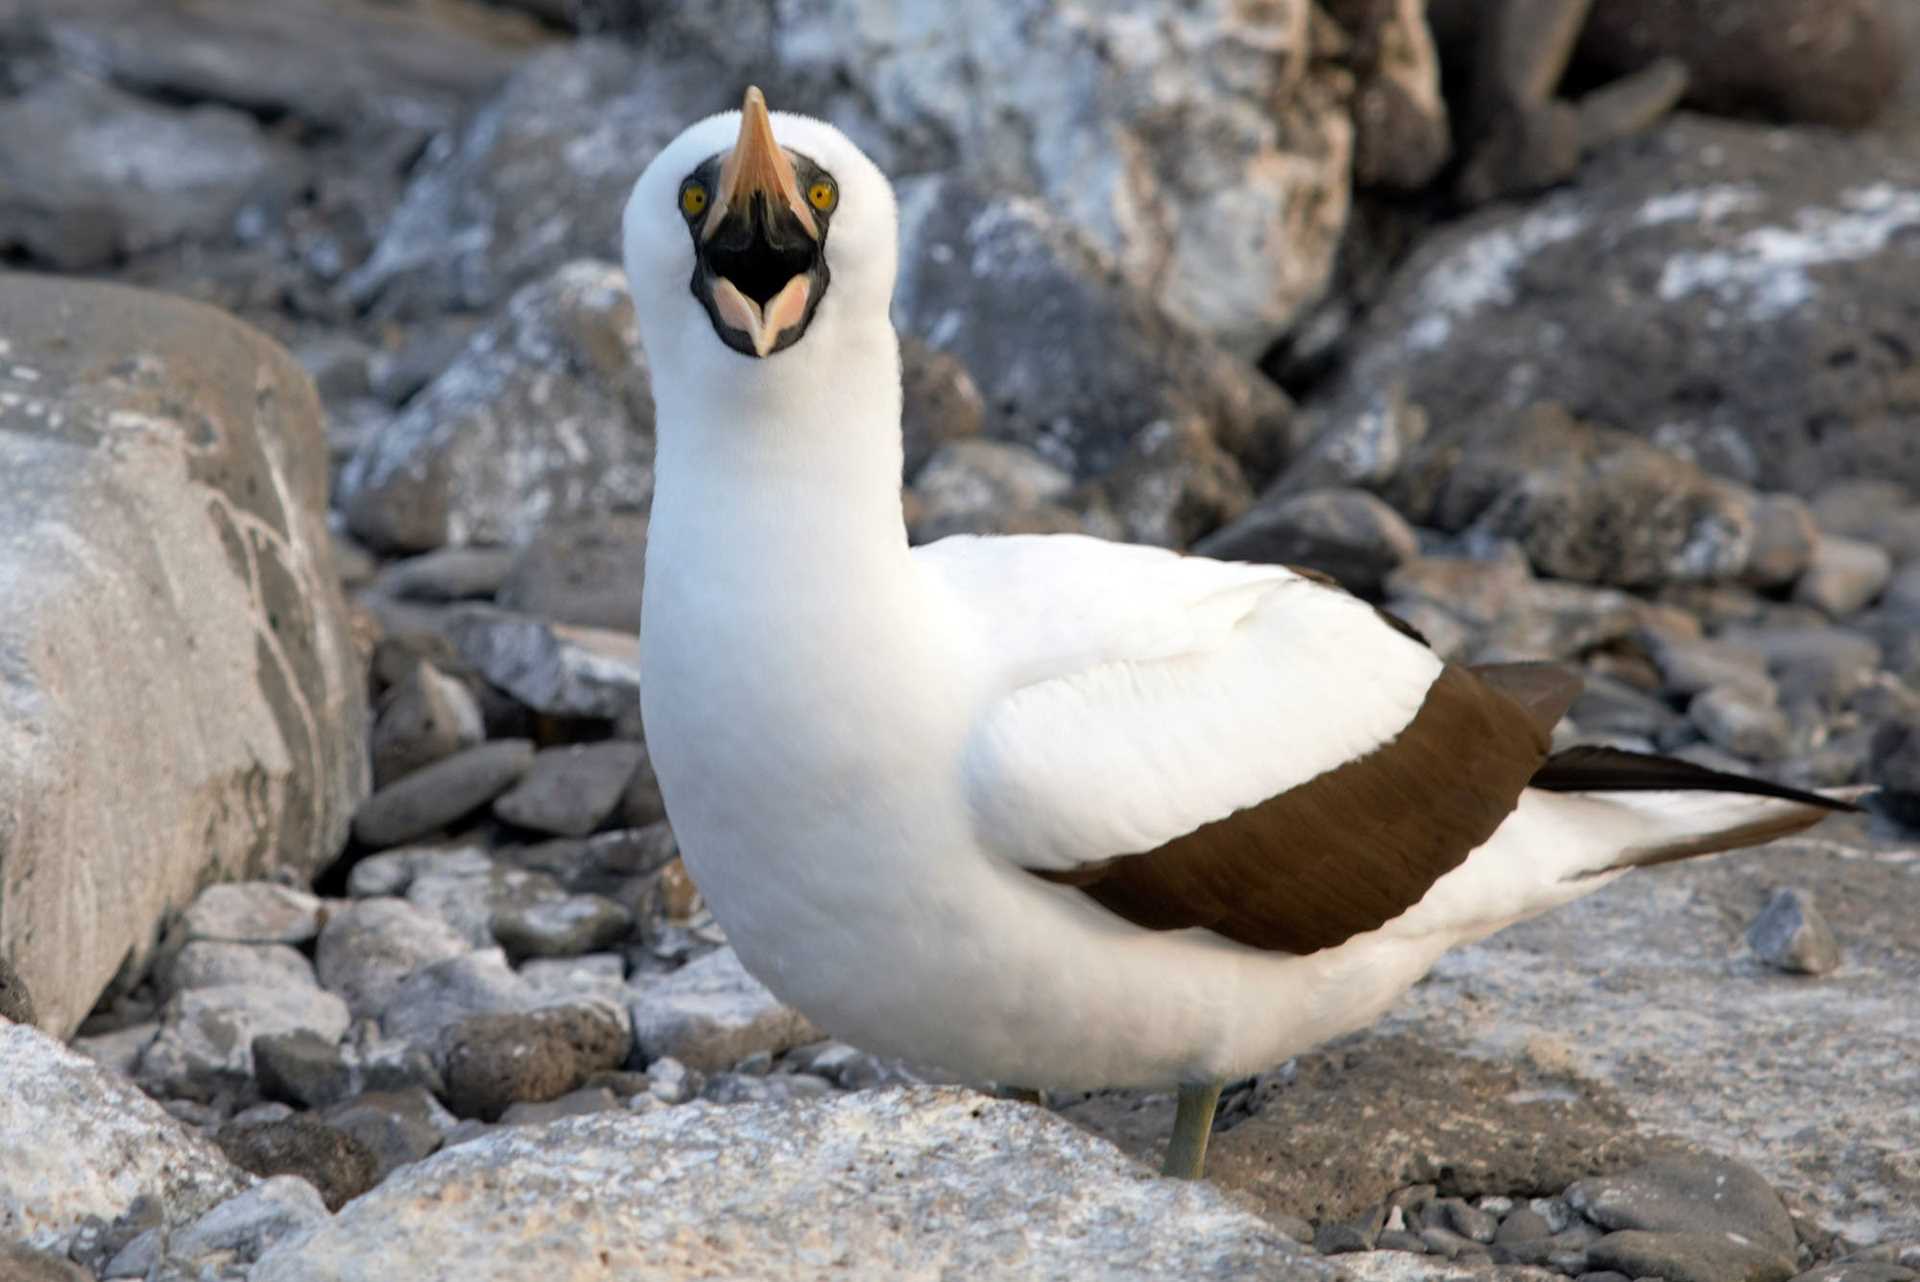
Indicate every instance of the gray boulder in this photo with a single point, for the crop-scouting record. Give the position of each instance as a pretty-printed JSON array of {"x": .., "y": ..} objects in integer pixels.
[
  {"x": 1719, "y": 288},
  {"x": 1071, "y": 358},
  {"x": 1585, "y": 503},
  {"x": 924, "y": 1182},
  {"x": 183, "y": 702},
  {"x": 82, "y": 1142},
  {"x": 537, "y": 177},
  {"x": 362, "y": 62},
  {"x": 548, "y": 414},
  {"x": 711, "y": 1013},
  {"x": 88, "y": 173}
]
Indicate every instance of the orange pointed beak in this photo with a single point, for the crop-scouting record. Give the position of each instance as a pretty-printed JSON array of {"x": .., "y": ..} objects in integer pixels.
[{"x": 757, "y": 166}]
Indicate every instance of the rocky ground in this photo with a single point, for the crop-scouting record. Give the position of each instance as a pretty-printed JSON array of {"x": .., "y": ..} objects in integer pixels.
[{"x": 328, "y": 840}]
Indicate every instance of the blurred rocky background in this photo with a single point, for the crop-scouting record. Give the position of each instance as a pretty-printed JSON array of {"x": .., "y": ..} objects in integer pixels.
[{"x": 328, "y": 838}]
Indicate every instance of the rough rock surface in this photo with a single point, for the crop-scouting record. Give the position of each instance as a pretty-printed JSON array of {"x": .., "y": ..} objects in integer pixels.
[
  {"x": 1726, "y": 290},
  {"x": 364, "y": 61},
  {"x": 1147, "y": 133},
  {"x": 711, "y": 1013},
  {"x": 1068, "y": 358},
  {"x": 183, "y": 702},
  {"x": 925, "y": 1182},
  {"x": 78, "y": 1141},
  {"x": 546, "y": 415},
  {"x": 1646, "y": 988},
  {"x": 1585, "y": 503},
  {"x": 88, "y": 173}
]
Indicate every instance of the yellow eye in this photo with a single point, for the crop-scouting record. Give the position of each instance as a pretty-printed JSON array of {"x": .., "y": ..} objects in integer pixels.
[
  {"x": 822, "y": 195},
  {"x": 693, "y": 200}
]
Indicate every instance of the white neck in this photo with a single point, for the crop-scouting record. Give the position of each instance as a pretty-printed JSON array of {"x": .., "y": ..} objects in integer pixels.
[{"x": 783, "y": 475}]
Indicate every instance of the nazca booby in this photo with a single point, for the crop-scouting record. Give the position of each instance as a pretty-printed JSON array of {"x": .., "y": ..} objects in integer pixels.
[{"x": 1047, "y": 810}]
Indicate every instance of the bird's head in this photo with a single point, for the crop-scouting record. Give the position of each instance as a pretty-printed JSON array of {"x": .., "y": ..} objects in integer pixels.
[{"x": 754, "y": 229}]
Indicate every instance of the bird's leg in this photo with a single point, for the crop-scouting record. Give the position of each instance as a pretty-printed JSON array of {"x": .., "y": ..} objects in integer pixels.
[{"x": 1192, "y": 1127}]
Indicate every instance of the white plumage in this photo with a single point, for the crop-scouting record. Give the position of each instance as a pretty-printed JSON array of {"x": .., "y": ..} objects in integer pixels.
[{"x": 866, "y": 749}]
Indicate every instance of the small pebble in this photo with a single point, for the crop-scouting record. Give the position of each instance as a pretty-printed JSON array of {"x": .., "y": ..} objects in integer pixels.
[{"x": 1791, "y": 935}]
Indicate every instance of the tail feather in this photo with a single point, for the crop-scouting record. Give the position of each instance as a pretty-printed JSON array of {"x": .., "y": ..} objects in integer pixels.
[{"x": 1675, "y": 809}]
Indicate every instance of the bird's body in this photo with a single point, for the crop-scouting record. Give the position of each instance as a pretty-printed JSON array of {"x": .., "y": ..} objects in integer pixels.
[{"x": 1045, "y": 810}]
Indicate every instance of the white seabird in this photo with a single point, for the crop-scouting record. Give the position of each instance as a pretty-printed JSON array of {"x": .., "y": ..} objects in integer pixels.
[{"x": 1047, "y": 810}]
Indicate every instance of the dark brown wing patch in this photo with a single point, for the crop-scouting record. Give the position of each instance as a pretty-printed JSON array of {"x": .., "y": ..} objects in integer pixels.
[{"x": 1348, "y": 850}]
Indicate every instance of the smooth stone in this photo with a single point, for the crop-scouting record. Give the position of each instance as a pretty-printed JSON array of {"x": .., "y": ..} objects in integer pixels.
[
  {"x": 1741, "y": 722},
  {"x": 1845, "y": 576},
  {"x": 469, "y": 892},
  {"x": 252, "y": 912},
  {"x": 1349, "y": 534},
  {"x": 434, "y": 796},
  {"x": 371, "y": 946},
  {"x": 587, "y": 572},
  {"x": 1690, "y": 1257},
  {"x": 447, "y": 574},
  {"x": 397, "y": 1127},
  {"x": 207, "y": 963},
  {"x": 571, "y": 791},
  {"x": 561, "y": 927},
  {"x": 711, "y": 1013},
  {"x": 206, "y": 1034},
  {"x": 1791, "y": 935},
  {"x": 1785, "y": 538},
  {"x": 553, "y": 669},
  {"x": 444, "y": 993},
  {"x": 302, "y": 1067},
  {"x": 427, "y": 717},
  {"x": 1700, "y": 1194},
  {"x": 121, "y": 1049}
]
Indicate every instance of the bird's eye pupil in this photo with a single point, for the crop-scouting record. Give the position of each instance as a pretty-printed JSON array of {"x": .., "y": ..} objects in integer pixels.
[
  {"x": 821, "y": 196},
  {"x": 693, "y": 199}
]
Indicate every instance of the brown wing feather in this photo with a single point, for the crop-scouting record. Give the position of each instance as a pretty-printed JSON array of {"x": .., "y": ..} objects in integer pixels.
[{"x": 1348, "y": 850}]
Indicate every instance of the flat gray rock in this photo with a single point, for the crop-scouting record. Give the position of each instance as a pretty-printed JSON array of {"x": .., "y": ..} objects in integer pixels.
[
  {"x": 371, "y": 946},
  {"x": 438, "y": 996},
  {"x": 88, "y": 173},
  {"x": 165, "y": 557},
  {"x": 570, "y": 791},
  {"x": 206, "y": 963},
  {"x": 80, "y": 1141},
  {"x": 253, "y": 912},
  {"x": 711, "y": 1013},
  {"x": 925, "y": 1182},
  {"x": 1790, "y": 934},
  {"x": 436, "y": 795},
  {"x": 248, "y": 1224},
  {"x": 206, "y": 1034},
  {"x": 554, "y": 669},
  {"x": 1689, "y": 1195},
  {"x": 547, "y": 414},
  {"x": 1646, "y": 991}
]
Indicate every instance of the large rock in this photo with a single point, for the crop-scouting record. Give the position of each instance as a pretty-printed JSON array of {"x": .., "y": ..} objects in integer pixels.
[
  {"x": 1071, "y": 359},
  {"x": 1147, "y": 134},
  {"x": 362, "y": 62},
  {"x": 547, "y": 415},
  {"x": 79, "y": 1141},
  {"x": 181, "y": 701},
  {"x": 913, "y": 1183},
  {"x": 1585, "y": 503},
  {"x": 1208, "y": 154},
  {"x": 88, "y": 173},
  {"x": 1645, "y": 990},
  {"x": 1733, "y": 293},
  {"x": 537, "y": 177}
]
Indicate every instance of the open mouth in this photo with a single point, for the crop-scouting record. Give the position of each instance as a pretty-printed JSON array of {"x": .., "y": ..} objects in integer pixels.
[{"x": 762, "y": 272}]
